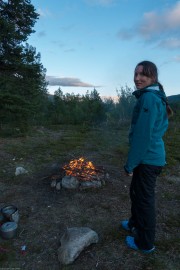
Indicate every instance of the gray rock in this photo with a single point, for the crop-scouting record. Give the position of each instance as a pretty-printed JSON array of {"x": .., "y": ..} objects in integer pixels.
[
  {"x": 74, "y": 241},
  {"x": 91, "y": 184},
  {"x": 70, "y": 182},
  {"x": 53, "y": 183},
  {"x": 58, "y": 186},
  {"x": 20, "y": 170}
]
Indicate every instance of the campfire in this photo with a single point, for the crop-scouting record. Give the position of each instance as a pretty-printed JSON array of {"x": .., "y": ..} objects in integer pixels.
[
  {"x": 79, "y": 173},
  {"x": 83, "y": 169}
]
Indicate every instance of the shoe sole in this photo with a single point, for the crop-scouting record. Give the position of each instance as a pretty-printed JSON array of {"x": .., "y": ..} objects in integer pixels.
[{"x": 134, "y": 247}]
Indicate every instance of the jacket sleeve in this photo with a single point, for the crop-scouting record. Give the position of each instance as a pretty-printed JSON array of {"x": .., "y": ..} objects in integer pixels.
[{"x": 142, "y": 131}]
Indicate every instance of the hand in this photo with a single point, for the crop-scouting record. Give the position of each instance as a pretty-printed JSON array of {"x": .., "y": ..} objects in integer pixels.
[{"x": 129, "y": 174}]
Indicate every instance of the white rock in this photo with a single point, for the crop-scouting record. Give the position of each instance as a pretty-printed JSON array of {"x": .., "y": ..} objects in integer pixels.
[
  {"x": 58, "y": 186},
  {"x": 20, "y": 170}
]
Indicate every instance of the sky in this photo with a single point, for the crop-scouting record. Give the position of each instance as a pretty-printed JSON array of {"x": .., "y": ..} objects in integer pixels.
[{"x": 87, "y": 44}]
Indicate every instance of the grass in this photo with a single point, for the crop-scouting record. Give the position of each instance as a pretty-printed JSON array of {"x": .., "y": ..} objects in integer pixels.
[
  {"x": 43, "y": 147},
  {"x": 40, "y": 149},
  {"x": 172, "y": 144},
  {"x": 100, "y": 209}
]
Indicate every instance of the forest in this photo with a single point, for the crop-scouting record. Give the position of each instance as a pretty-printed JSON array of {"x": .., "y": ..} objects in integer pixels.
[{"x": 24, "y": 96}]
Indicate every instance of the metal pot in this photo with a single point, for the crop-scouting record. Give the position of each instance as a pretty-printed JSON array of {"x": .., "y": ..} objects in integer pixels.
[
  {"x": 2, "y": 218},
  {"x": 8, "y": 230},
  {"x": 11, "y": 213}
]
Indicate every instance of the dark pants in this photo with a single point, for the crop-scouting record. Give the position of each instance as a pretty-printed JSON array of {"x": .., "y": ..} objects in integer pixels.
[{"x": 142, "y": 194}]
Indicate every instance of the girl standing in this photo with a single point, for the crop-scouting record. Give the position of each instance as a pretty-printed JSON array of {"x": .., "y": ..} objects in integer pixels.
[{"x": 146, "y": 155}]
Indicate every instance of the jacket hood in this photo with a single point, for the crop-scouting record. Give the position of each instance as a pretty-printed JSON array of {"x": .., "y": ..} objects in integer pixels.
[{"x": 152, "y": 88}]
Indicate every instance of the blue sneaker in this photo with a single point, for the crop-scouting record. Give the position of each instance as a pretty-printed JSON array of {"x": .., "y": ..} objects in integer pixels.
[
  {"x": 125, "y": 225},
  {"x": 131, "y": 244}
]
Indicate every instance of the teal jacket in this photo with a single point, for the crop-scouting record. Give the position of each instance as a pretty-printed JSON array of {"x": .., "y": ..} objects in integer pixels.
[{"x": 148, "y": 125}]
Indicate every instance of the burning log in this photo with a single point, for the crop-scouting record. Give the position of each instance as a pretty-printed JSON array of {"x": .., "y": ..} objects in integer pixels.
[
  {"x": 84, "y": 170},
  {"x": 79, "y": 173}
]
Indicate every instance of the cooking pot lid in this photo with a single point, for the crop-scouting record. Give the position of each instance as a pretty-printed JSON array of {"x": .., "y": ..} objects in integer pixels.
[{"x": 9, "y": 226}]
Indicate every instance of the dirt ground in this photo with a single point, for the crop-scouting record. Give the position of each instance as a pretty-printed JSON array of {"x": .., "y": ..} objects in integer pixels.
[{"x": 45, "y": 213}]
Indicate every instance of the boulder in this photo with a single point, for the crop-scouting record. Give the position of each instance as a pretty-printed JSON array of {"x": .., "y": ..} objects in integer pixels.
[
  {"x": 91, "y": 184},
  {"x": 74, "y": 241},
  {"x": 70, "y": 182}
]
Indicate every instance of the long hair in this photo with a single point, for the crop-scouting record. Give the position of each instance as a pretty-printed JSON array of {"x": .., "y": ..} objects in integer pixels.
[{"x": 150, "y": 70}]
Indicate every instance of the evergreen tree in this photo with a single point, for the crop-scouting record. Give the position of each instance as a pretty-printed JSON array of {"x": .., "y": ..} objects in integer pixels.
[
  {"x": 22, "y": 76},
  {"x": 125, "y": 103},
  {"x": 94, "y": 107},
  {"x": 59, "y": 107},
  {"x": 111, "y": 112}
]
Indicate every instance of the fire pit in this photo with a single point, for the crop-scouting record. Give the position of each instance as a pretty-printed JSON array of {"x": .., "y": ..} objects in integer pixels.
[
  {"x": 80, "y": 173},
  {"x": 84, "y": 170}
]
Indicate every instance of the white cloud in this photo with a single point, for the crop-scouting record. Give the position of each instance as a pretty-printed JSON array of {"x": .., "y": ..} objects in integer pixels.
[
  {"x": 150, "y": 25},
  {"x": 44, "y": 12},
  {"x": 173, "y": 16},
  {"x": 75, "y": 82},
  {"x": 156, "y": 25}
]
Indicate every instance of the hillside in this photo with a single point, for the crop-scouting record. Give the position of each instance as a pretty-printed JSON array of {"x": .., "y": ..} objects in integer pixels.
[{"x": 173, "y": 99}]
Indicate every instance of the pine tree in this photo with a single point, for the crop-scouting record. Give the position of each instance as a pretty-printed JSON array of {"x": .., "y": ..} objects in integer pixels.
[
  {"x": 125, "y": 104},
  {"x": 22, "y": 76}
]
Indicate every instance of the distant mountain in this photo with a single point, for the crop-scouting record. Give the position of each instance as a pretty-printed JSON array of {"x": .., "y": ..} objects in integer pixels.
[{"x": 174, "y": 98}]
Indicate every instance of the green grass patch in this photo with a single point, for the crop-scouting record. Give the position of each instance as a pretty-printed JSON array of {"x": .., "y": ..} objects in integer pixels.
[{"x": 172, "y": 144}]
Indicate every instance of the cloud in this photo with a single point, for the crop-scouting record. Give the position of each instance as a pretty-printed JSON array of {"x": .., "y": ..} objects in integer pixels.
[
  {"x": 156, "y": 25},
  {"x": 170, "y": 43},
  {"x": 56, "y": 81},
  {"x": 44, "y": 12}
]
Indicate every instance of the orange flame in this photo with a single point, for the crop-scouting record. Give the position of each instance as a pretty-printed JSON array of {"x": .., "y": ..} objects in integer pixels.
[{"x": 80, "y": 168}]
